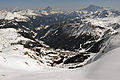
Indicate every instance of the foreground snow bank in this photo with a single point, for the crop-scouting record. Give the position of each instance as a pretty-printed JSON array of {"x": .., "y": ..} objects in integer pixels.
[{"x": 106, "y": 68}]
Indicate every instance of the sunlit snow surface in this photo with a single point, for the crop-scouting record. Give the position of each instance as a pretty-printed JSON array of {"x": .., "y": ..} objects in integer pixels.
[
  {"x": 106, "y": 68},
  {"x": 16, "y": 66}
]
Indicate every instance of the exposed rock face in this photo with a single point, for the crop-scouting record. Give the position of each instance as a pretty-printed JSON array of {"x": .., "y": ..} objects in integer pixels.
[
  {"x": 75, "y": 36},
  {"x": 47, "y": 55}
]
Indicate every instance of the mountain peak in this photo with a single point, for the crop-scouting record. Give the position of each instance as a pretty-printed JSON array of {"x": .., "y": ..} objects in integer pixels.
[
  {"x": 93, "y": 8},
  {"x": 48, "y": 9}
]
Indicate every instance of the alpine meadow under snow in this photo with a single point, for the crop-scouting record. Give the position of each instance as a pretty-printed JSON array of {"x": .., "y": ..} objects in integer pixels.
[{"x": 49, "y": 44}]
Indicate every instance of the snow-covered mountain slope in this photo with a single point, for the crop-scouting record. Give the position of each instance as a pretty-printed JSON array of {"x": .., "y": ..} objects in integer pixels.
[
  {"x": 106, "y": 68},
  {"x": 77, "y": 35},
  {"x": 9, "y": 15},
  {"x": 17, "y": 50},
  {"x": 108, "y": 21},
  {"x": 28, "y": 12},
  {"x": 13, "y": 56}
]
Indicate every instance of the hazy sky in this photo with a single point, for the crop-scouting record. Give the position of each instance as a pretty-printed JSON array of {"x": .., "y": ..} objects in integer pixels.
[{"x": 58, "y": 4}]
